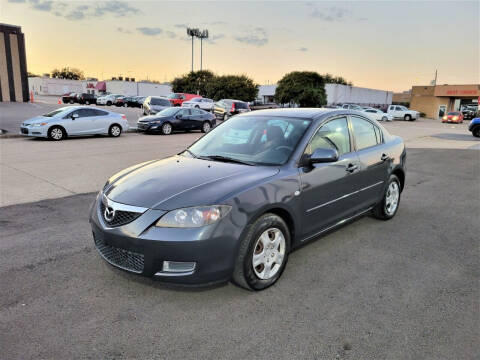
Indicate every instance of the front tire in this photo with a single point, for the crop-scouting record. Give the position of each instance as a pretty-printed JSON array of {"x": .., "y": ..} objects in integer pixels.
[
  {"x": 56, "y": 133},
  {"x": 109, "y": 103},
  {"x": 263, "y": 253},
  {"x": 408, "y": 117},
  {"x": 388, "y": 207},
  {"x": 384, "y": 118},
  {"x": 166, "y": 129},
  {"x": 87, "y": 102},
  {"x": 476, "y": 131},
  {"x": 115, "y": 130}
]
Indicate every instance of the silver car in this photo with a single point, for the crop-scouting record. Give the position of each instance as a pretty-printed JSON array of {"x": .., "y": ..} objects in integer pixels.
[
  {"x": 75, "y": 121},
  {"x": 154, "y": 104}
]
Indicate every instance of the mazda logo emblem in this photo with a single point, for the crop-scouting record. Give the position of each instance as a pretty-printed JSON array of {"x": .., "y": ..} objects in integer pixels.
[{"x": 109, "y": 213}]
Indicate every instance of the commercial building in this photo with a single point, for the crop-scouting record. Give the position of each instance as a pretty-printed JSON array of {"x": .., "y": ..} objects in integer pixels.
[
  {"x": 339, "y": 94},
  {"x": 13, "y": 64},
  {"x": 435, "y": 101}
]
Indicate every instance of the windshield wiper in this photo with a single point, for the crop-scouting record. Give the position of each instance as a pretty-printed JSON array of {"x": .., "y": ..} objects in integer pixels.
[
  {"x": 191, "y": 153},
  {"x": 226, "y": 159}
]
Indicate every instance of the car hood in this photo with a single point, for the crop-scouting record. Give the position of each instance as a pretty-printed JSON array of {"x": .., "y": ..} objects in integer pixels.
[
  {"x": 180, "y": 181},
  {"x": 37, "y": 119}
]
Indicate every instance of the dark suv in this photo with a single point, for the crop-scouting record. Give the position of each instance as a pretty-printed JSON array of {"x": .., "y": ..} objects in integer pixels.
[
  {"x": 86, "y": 99},
  {"x": 226, "y": 108}
]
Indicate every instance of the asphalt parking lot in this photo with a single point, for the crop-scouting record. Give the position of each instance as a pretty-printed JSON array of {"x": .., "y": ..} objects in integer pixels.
[{"x": 402, "y": 289}]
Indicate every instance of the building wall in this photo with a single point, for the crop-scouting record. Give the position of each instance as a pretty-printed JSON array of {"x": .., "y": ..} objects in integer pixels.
[
  {"x": 55, "y": 87},
  {"x": 13, "y": 64},
  {"x": 429, "y": 105}
]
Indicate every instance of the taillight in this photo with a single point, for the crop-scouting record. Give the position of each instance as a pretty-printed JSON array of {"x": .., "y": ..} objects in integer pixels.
[
  {"x": 124, "y": 117},
  {"x": 233, "y": 107}
]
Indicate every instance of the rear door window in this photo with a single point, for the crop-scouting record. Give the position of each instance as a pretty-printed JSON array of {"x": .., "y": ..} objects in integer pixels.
[
  {"x": 241, "y": 105},
  {"x": 366, "y": 134}
]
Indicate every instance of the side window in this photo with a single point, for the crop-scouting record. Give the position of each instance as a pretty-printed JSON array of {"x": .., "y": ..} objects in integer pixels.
[
  {"x": 197, "y": 112},
  {"x": 99, "y": 112},
  {"x": 398, "y": 108},
  {"x": 370, "y": 111},
  {"x": 186, "y": 112},
  {"x": 332, "y": 135},
  {"x": 365, "y": 133}
]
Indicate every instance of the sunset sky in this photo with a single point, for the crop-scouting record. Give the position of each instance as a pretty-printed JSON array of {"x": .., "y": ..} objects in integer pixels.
[{"x": 388, "y": 45}]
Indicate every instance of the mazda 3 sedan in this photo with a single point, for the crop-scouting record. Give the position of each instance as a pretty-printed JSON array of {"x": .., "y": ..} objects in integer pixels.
[
  {"x": 75, "y": 121},
  {"x": 234, "y": 204}
]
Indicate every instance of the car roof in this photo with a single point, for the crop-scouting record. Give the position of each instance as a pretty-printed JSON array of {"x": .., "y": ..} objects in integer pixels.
[{"x": 304, "y": 113}]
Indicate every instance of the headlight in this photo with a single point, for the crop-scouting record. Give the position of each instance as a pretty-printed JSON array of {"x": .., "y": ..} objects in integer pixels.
[
  {"x": 39, "y": 124},
  {"x": 455, "y": 118},
  {"x": 193, "y": 217}
]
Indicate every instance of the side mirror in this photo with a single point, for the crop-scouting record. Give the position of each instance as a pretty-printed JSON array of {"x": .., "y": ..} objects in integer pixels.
[
  {"x": 179, "y": 117},
  {"x": 74, "y": 116},
  {"x": 324, "y": 156}
]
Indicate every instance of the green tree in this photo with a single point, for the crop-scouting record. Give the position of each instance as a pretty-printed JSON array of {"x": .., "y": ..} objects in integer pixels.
[
  {"x": 68, "y": 73},
  {"x": 305, "y": 88},
  {"x": 193, "y": 82},
  {"x": 330, "y": 79},
  {"x": 239, "y": 87}
]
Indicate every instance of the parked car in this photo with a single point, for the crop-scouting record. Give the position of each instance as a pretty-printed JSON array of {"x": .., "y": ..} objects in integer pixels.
[
  {"x": 138, "y": 101},
  {"x": 69, "y": 98},
  {"x": 107, "y": 99},
  {"x": 401, "y": 112},
  {"x": 235, "y": 203},
  {"x": 75, "y": 121},
  {"x": 86, "y": 99},
  {"x": 177, "y": 99},
  {"x": 226, "y": 108},
  {"x": 377, "y": 114},
  {"x": 474, "y": 127},
  {"x": 469, "y": 112},
  {"x": 200, "y": 103},
  {"x": 154, "y": 104},
  {"x": 177, "y": 119},
  {"x": 126, "y": 101},
  {"x": 256, "y": 105},
  {"x": 352, "y": 107},
  {"x": 453, "y": 117}
]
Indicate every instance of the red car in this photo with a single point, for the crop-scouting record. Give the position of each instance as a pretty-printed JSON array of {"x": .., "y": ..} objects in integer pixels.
[
  {"x": 453, "y": 117},
  {"x": 177, "y": 99}
]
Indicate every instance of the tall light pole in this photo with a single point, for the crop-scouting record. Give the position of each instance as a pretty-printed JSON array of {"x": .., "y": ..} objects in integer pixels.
[
  {"x": 202, "y": 35},
  {"x": 192, "y": 32}
]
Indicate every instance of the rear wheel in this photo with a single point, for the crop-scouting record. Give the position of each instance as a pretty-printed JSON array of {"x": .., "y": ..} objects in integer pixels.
[
  {"x": 263, "y": 253},
  {"x": 125, "y": 105},
  {"x": 115, "y": 130},
  {"x": 206, "y": 127},
  {"x": 87, "y": 102},
  {"x": 166, "y": 129},
  {"x": 56, "y": 133},
  {"x": 476, "y": 131},
  {"x": 387, "y": 208},
  {"x": 384, "y": 118},
  {"x": 109, "y": 103}
]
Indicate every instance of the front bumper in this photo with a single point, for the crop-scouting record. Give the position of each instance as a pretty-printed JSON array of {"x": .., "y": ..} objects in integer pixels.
[
  {"x": 141, "y": 248},
  {"x": 34, "y": 131}
]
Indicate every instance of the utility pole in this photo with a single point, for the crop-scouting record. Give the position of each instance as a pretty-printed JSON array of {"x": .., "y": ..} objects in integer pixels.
[
  {"x": 435, "y": 82},
  {"x": 202, "y": 35},
  {"x": 192, "y": 32}
]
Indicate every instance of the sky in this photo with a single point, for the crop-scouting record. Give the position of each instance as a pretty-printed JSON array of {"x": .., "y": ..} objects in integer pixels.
[{"x": 388, "y": 45}]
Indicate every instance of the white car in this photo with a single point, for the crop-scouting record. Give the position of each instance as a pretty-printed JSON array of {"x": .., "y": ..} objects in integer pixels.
[
  {"x": 401, "y": 112},
  {"x": 200, "y": 103},
  {"x": 377, "y": 114},
  {"x": 107, "y": 99},
  {"x": 352, "y": 107},
  {"x": 75, "y": 121}
]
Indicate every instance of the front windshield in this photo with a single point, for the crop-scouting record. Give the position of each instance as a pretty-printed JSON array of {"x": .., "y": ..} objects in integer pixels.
[
  {"x": 168, "y": 112},
  {"x": 262, "y": 140},
  {"x": 174, "y": 96},
  {"x": 55, "y": 112}
]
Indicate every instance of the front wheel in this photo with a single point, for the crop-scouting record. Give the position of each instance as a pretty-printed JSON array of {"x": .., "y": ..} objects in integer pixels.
[
  {"x": 109, "y": 103},
  {"x": 384, "y": 118},
  {"x": 56, "y": 133},
  {"x": 115, "y": 130},
  {"x": 166, "y": 129},
  {"x": 87, "y": 102},
  {"x": 387, "y": 208},
  {"x": 206, "y": 127},
  {"x": 263, "y": 253},
  {"x": 125, "y": 105},
  {"x": 408, "y": 117},
  {"x": 476, "y": 131}
]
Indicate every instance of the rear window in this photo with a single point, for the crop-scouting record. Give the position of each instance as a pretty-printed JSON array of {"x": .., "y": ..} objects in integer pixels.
[
  {"x": 174, "y": 96},
  {"x": 454, "y": 113},
  {"x": 158, "y": 101},
  {"x": 241, "y": 105}
]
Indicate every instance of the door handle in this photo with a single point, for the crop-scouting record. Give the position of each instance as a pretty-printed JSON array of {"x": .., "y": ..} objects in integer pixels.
[
  {"x": 351, "y": 168},
  {"x": 385, "y": 157}
]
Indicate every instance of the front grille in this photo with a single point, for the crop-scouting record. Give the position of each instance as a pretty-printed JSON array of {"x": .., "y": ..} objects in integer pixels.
[
  {"x": 120, "y": 218},
  {"x": 24, "y": 130},
  {"x": 124, "y": 259}
]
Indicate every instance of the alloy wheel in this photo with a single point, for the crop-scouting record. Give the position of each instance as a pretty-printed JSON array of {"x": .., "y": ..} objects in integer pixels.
[
  {"x": 56, "y": 134},
  {"x": 269, "y": 253},
  {"x": 391, "y": 198},
  {"x": 115, "y": 131},
  {"x": 167, "y": 129},
  {"x": 206, "y": 127}
]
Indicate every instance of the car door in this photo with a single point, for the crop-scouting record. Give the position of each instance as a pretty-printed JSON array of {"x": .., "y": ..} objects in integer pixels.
[
  {"x": 100, "y": 121},
  {"x": 80, "y": 125},
  {"x": 328, "y": 189},
  {"x": 374, "y": 160},
  {"x": 182, "y": 119},
  {"x": 196, "y": 119}
]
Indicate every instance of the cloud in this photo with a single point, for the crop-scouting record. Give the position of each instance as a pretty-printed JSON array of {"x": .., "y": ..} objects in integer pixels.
[
  {"x": 72, "y": 15},
  {"x": 123, "y": 30},
  {"x": 171, "y": 34},
  {"x": 41, "y": 5},
  {"x": 181, "y": 26},
  {"x": 213, "y": 39},
  {"x": 256, "y": 37},
  {"x": 332, "y": 14},
  {"x": 303, "y": 49},
  {"x": 117, "y": 8},
  {"x": 149, "y": 31},
  {"x": 17, "y": 1}
]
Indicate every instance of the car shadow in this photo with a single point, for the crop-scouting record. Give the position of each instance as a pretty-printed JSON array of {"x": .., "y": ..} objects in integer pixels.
[{"x": 457, "y": 137}]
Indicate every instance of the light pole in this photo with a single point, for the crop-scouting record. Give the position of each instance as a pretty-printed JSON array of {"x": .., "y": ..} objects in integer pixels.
[
  {"x": 192, "y": 32},
  {"x": 202, "y": 35}
]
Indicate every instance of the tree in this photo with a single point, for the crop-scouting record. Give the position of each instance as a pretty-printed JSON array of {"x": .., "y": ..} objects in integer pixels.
[
  {"x": 330, "y": 79},
  {"x": 238, "y": 87},
  {"x": 29, "y": 74},
  {"x": 305, "y": 88},
  {"x": 194, "y": 82},
  {"x": 68, "y": 73}
]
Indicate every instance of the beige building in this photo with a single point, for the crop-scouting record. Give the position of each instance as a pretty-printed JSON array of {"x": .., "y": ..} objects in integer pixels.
[
  {"x": 435, "y": 101},
  {"x": 13, "y": 64}
]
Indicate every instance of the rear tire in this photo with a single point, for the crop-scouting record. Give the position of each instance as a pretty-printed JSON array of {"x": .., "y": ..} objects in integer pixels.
[
  {"x": 388, "y": 207},
  {"x": 476, "y": 131},
  {"x": 206, "y": 127},
  {"x": 384, "y": 118},
  {"x": 266, "y": 242},
  {"x": 115, "y": 130},
  {"x": 125, "y": 105},
  {"x": 87, "y": 102},
  {"x": 56, "y": 133},
  {"x": 109, "y": 103},
  {"x": 408, "y": 117}
]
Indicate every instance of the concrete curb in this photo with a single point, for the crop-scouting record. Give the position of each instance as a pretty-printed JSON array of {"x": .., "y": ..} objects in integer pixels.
[{"x": 7, "y": 135}]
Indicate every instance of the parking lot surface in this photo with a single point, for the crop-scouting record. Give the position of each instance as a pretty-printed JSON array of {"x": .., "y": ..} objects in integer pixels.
[{"x": 402, "y": 289}]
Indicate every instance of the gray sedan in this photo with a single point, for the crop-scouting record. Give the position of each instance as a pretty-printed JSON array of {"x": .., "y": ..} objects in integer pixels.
[
  {"x": 75, "y": 121},
  {"x": 234, "y": 204}
]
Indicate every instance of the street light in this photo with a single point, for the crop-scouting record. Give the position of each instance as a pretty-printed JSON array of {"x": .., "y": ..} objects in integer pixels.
[
  {"x": 192, "y": 32},
  {"x": 202, "y": 35}
]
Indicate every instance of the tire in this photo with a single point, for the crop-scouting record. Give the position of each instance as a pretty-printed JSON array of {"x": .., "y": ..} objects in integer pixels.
[
  {"x": 115, "y": 130},
  {"x": 273, "y": 229},
  {"x": 384, "y": 118},
  {"x": 407, "y": 117},
  {"x": 87, "y": 102},
  {"x": 166, "y": 128},
  {"x": 56, "y": 133},
  {"x": 109, "y": 103},
  {"x": 383, "y": 210},
  {"x": 206, "y": 127},
  {"x": 125, "y": 105},
  {"x": 71, "y": 101},
  {"x": 476, "y": 131},
  {"x": 225, "y": 117},
  {"x": 197, "y": 107}
]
